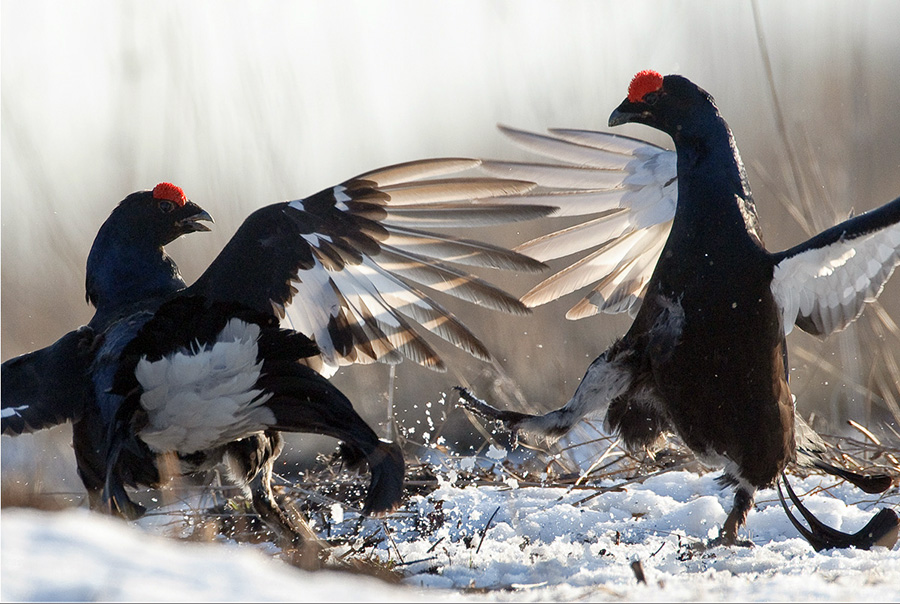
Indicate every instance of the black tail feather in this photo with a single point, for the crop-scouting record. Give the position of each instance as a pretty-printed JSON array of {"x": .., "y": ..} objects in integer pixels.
[
  {"x": 304, "y": 401},
  {"x": 870, "y": 483},
  {"x": 882, "y": 529},
  {"x": 114, "y": 499},
  {"x": 121, "y": 440},
  {"x": 388, "y": 471}
]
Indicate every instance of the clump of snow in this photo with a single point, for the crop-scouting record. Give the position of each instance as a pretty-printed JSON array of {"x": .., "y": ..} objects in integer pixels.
[
  {"x": 337, "y": 513},
  {"x": 496, "y": 453}
]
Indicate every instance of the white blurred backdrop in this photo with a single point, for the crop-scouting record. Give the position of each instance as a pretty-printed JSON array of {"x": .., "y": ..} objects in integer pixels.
[{"x": 244, "y": 104}]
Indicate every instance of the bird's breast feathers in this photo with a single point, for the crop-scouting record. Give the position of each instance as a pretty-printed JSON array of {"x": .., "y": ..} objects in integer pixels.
[{"x": 204, "y": 397}]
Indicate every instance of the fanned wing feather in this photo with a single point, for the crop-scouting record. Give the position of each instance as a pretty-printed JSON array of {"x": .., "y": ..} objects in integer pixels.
[
  {"x": 620, "y": 269},
  {"x": 462, "y": 251},
  {"x": 417, "y": 170},
  {"x": 626, "y": 188},
  {"x": 623, "y": 287},
  {"x": 446, "y": 279},
  {"x": 468, "y": 214},
  {"x": 450, "y": 190},
  {"x": 344, "y": 266},
  {"x": 386, "y": 330},
  {"x": 563, "y": 176},
  {"x": 415, "y": 304},
  {"x": 573, "y": 239},
  {"x": 582, "y": 148}
]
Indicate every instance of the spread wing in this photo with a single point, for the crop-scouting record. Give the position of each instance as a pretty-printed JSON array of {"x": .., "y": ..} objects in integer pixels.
[
  {"x": 48, "y": 386},
  {"x": 349, "y": 265},
  {"x": 626, "y": 191},
  {"x": 823, "y": 283}
]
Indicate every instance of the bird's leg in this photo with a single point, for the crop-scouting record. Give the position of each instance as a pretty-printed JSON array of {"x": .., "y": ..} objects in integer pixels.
[
  {"x": 550, "y": 425},
  {"x": 508, "y": 419},
  {"x": 743, "y": 501},
  {"x": 609, "y": 376},
  {"x": 482, "y": 409},
  {"x": 250, "y": 462},
  {"x": 298, "y": 540}
]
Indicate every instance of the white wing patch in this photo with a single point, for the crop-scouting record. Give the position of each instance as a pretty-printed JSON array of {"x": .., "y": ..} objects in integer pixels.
[
  {"x": 13, "y": 411},
  {"x": 203, "y": 398},
  {"x": 319, "y": 304},
  {"x": 829, "y": 286}
]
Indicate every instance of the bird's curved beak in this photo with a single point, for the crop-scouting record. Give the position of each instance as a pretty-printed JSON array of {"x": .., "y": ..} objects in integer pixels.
[
  {"x": 192, "y": 222},
  {"x": 629, "y": 112}
]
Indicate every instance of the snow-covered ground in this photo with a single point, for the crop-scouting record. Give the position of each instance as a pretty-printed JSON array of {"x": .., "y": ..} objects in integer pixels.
[{"x": 502, "y": 542}]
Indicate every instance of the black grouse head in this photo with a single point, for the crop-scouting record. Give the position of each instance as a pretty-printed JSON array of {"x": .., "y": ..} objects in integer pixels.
[
  {"x": 127, "y": 262},
  {"x": 163, "y": 214},
  {"x": 672, "y": 104}
]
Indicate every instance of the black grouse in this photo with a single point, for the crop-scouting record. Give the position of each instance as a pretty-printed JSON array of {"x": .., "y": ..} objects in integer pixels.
[
  {"x": 678, "y": 245},
  {"x": 212, "y": 373}
]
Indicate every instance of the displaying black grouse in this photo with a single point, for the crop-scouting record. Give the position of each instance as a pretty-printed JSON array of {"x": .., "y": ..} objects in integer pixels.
[
  {"x": 212, "y": 373},
  {"x": 678, "y": 245}
]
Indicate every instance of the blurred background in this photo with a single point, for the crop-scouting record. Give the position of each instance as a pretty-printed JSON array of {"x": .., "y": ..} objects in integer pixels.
[{"x": 244, "y": 104}]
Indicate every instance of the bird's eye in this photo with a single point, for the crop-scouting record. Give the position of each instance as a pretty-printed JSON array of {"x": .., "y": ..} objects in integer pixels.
[
  {"x": 166, "y": 206},
  {"x": 651, "y": 97}
]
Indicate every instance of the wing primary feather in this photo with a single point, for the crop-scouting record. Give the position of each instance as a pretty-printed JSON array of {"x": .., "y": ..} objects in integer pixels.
[
  {"x": 440, "y": 277},
  {"x": 460, "y": 251}
]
